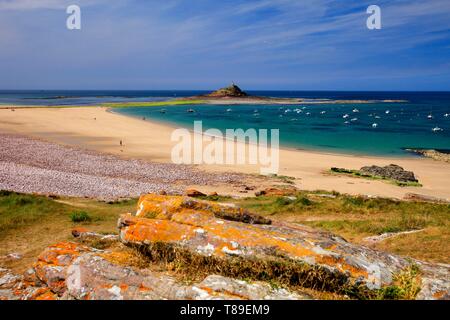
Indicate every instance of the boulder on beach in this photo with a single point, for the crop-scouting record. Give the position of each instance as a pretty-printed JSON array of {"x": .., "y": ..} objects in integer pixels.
[
  {"x": 194, "y": 193},
  {"x": 391, "y": 171}
]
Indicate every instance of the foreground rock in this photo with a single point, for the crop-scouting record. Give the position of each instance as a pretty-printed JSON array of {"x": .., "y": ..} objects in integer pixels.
[
  {"x": 391, "y": 171},
  {"x": 195, "y": 237},
  {"x": 72, "y": 271}
]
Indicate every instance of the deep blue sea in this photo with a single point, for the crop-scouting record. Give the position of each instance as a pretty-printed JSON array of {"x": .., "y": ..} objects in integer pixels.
[{"x": 373, "y": 129}]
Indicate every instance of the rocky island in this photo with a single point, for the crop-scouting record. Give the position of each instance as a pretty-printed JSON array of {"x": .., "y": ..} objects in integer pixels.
[{"x": 233, "y": 94}]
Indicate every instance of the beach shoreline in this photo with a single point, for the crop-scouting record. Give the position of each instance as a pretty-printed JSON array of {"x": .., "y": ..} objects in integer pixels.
[{"x": 95, "y": 128}]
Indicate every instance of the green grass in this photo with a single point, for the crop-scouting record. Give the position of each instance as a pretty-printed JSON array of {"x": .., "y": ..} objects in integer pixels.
[
  {"x": 30, "y": 223},
  {"x": 123, "y": 104},
  {"x": 80, "y": 216},
  {"x": 358, "y": 174},
  {"x": 152, "y": 103},
  {"x": 18, "y": 210}
]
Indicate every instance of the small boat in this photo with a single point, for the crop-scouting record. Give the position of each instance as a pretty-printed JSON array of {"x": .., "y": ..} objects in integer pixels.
[
  {"x": 437, "y": 129},
  {"x": 346, "y": 122},
  {"x": 308, "y": 113},
  {"x": 430, "y": 116},
  {"x": 374, "y": 125},
  {"x": 162, "y": 110},
  {"x": 355, "y": 110},
  {"x": 377, "y": 117},
  {"x": 191, "y": 110},
  {"x": 323, "y": 112},
  {"x": 447, "y": 115},
  {"x": 287, "y": 110},
  {"x": 354, "y": 119},
  {"x": 229, "y": 110},
  {"x": 345, "y": 116}
]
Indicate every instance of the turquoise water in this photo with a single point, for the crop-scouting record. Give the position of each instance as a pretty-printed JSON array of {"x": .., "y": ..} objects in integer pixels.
[{"x": 323, "y": 127}]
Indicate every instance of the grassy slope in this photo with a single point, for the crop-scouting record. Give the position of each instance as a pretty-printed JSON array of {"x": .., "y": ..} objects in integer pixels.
[
  {"x": 355, "y": 218},
  {"x": 29, "y": 223}
]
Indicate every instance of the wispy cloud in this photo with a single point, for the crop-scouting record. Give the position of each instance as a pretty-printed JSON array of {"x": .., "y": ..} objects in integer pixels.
[{"x": 150, "y": 43}]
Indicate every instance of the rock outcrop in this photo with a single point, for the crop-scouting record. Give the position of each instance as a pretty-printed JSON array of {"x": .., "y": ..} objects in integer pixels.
[
  {"x": 297, "y": 255},
  {"x": 233, "y": 91},
  {"x": 391, "y": 171},
  {"x": 437, "y": 155},
  {"x": 220, "y": 244},
  {"x": 70, "y": 271}
]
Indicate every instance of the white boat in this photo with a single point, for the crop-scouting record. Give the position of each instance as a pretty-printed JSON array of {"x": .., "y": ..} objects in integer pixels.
[
  {"x": 308, "y": 113},
  {"x": 437, "y": 129},
  {"x": 377, "y": 117},
  {"x": 447, "y": 115},
  {"x": 430, "y": 116},
  {"x": 388, "y": 111},
  {"x": 354, "y": 119},
  {"x": 323, "y": 112},
  {"x": 345, "y": 116},
  {"x": 355, "y": 110},
  {"x": 346, "y": 122},
  {"x": 374, "y": 125},
  {"x": 229, "y": 110}
]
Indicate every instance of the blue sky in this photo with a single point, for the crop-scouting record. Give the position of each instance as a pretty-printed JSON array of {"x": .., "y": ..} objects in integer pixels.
[{"x": 204, "y": 44}]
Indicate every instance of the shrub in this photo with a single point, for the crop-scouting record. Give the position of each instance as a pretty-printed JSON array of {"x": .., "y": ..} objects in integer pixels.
[{"x": 80, "y": 216}]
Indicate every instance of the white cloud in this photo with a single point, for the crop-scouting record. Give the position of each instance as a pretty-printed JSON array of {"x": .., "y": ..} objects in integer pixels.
[{"x": 44, "y": 4}]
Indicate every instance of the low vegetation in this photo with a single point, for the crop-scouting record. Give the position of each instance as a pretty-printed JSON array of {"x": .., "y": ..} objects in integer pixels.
[
  {"x": 152, "y": 103},
  {"x": 30, "y": 223},
  {"x": 80, "y": 216},
  {"x": 356, "y": 218}
]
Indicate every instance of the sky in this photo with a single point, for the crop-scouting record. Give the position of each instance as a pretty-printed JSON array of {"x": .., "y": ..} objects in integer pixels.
[{"x": 206, "y": 44}]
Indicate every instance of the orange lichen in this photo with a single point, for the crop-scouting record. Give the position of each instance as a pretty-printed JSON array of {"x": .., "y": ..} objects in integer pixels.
[
  {"x": 342, "y": 266},
  {"x": 143, "y": 288},
  {"x": 439, "y": 295},
  {"x": 153, "y": 230},
  {"x": 45, "y": 294}
]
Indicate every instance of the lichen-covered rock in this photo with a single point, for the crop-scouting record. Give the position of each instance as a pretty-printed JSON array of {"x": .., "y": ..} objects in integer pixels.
[
  {"x": 18, "y": 287},
  {"x": 163, "y": 207},
  {"x": 77, "y": 272},
  {"x": 302, "y": 255}
]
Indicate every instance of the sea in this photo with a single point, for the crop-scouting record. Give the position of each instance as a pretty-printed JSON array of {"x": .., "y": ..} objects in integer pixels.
[{"x": 422, "y": 121}]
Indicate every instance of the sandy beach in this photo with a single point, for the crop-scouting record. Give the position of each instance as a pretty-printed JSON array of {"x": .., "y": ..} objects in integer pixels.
[{"x": 94, "y": 128}]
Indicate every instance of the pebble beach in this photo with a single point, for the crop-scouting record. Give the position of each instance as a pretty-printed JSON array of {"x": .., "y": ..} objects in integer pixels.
[{"x": 36, "y": 166}]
